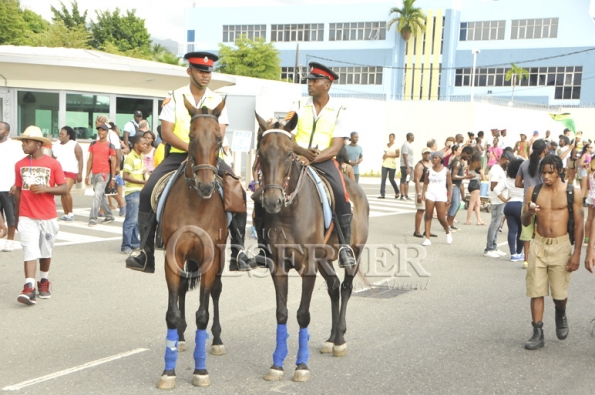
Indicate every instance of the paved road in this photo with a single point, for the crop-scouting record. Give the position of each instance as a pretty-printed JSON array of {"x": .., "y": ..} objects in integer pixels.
[{"x": 461, "y": 333}]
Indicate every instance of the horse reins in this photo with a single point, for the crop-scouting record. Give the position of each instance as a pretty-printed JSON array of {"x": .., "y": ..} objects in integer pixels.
[
  {"x": 287, "y": 199},
  {"x": 193, "y": 182}
]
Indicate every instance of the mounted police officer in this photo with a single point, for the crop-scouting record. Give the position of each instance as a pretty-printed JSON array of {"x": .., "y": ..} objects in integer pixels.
[
  {"x": 320, "y": 134},
  {"x": 175, "y": 129}
]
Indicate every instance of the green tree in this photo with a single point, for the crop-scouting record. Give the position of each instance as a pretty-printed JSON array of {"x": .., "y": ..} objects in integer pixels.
[
  {"x": 409, "y": 19},
  {"x": 59, "y": 35},
  {"x": 71, "y": 19},
  {"x": 250, "y": 58},
  {"x": 35, "y": 23},
  {"x": 517, "y": 74},
  {"x": 13, "y": 28},
  {"x": 127, "y": 33}
]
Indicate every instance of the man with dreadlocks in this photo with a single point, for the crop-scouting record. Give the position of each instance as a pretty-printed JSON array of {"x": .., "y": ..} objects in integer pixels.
[{"x": 559, "y": 221}]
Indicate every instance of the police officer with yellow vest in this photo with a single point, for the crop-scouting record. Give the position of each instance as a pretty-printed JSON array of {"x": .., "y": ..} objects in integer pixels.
[
  {"x": 175, "y": 130},
  {"x": 320, "y": 134}
]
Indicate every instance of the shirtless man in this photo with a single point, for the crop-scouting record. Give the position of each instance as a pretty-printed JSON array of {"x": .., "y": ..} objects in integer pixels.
[{"x": 551, "y": 259}]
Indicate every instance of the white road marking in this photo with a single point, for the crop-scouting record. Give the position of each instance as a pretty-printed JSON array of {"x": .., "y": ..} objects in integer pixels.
[{"x": 61, "y": 373}]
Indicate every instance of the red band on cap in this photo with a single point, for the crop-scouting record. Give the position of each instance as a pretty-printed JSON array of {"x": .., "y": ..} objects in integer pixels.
[
  {"x": 322, "y": 72},
  {"x": 201, "y": 61}
]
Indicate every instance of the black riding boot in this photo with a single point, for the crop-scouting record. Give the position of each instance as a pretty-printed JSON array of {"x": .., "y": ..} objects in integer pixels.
[
  {"x": 263, "y": 258},
  {"x": 346, "y": 256},
  {"x": 145, "y": 261},
  {"x": 239, "y": 259},
  {"x": 561, "y": 324},
  {"x": 536, "y": 340}
]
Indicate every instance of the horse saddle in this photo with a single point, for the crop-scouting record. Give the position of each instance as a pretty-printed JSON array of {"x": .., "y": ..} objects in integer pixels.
[{"x": 324, "y": 193}]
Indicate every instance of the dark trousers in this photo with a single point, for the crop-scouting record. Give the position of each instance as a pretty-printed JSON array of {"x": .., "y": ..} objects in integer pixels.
[
  {"x": 332, "y": 172},
  {"x": 512, "y": 211},
  {"x": 391, "y": 177}
]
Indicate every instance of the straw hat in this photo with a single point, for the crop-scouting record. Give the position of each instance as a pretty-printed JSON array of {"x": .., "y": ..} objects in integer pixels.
[{"x": 33, "y": 133}]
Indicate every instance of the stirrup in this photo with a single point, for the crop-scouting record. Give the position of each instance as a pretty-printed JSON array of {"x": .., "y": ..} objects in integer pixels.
[
  {"x": 352, "y": 256},
  {"x": 138, "y": 268},
  {"x": 250, "y": 258}
]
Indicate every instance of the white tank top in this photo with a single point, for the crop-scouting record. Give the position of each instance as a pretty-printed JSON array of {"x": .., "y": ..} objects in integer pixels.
[
  {"x": 64, "y": 153},
  {"x": 437, "y": 181}
]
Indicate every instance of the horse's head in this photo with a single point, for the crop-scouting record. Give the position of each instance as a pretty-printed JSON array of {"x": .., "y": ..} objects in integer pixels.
[
  {"x": 275, "y": 150},
  {"x": 203, "y": 148}
]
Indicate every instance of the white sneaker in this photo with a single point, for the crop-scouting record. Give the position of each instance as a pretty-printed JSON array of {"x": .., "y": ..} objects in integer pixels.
[
  {"x": 501, "y": 253},
  {"x": 8, "y": 246},
  {"x": 426, "y": 242},
  {"x": 449, "y": 238},
  {"x": 491, "y": 254}
]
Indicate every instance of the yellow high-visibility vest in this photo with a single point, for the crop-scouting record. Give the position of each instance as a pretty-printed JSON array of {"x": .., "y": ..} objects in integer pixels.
[
  {"x": 183, "y": 118},
  {"x": 311, "y": 132}
]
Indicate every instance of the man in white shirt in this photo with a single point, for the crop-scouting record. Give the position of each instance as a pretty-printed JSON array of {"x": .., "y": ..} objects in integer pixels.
[
  {"x": 496, "y": 175},
  {"x": 505, "y": 141},
  {"x": 132, "y": 127},
  {"x": 10, "y": 152}
]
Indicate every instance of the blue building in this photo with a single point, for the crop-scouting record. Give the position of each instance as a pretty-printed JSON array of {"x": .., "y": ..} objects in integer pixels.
[{"x": 554, "y": 41}]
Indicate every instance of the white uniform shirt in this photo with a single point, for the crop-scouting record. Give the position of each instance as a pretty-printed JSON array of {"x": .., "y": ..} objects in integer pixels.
[
  {"x": 168, "y": 112},
  {"x": 341, "y": 126}
]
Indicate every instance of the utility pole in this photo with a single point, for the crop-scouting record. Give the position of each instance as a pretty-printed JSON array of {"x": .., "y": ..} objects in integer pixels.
[{"x": 296, "y": 69}]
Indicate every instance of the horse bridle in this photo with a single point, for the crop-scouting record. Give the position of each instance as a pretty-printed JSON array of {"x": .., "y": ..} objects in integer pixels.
[
  {"x": 287, "y": 199},
  {"x": 193, "y": 182}
]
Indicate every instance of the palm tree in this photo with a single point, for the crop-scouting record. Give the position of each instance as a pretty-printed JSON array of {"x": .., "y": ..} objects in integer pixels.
[
  {"x": 409, "y": 19},
  {"x": 517, "y": 74}
]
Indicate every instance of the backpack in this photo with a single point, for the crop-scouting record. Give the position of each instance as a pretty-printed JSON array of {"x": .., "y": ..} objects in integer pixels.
[{"x": 570, "y": 198}]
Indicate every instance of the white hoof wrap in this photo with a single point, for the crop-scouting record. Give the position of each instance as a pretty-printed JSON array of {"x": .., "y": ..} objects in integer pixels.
[
  {"x": 340, "y": 351},
  {"x": 201, "y": 380},
  {"x": 167, "y": 382},
  {"x": 274, "y": 375}
]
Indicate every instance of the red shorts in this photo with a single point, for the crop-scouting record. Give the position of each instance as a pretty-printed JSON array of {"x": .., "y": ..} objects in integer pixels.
[{"x": 72, "y": 176}]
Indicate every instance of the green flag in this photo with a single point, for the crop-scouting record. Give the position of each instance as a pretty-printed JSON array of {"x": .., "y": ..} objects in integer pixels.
[{"x": 565, "y": 120}]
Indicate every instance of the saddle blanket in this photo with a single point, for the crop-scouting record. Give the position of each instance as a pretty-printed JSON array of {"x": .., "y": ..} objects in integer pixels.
[{"x": 326, "y": 206}]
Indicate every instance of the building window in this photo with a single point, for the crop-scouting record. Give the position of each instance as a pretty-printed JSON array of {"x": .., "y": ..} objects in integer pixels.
[
  {"x": 566, "y": 80},
  {"x": 534, "y": 28},
  {"x": 231, "y": 32},
  {"x": 357, "y": 31},
  {"x": 288, "y": 73},
  {"x": 190, "y": 36},
  {"x": 298, "y": 32},
  {"x": 125, "y": 108},
  {"x": 82, "y": 110},
  {"x": 39, "y": 109},
  {"x": 482, "y": 31},
  {"x": 358, "y": 75}
]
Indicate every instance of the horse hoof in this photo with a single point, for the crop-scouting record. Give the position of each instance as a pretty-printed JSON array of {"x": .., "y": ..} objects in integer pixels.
[
  {"x": 274, "y": 375},
  {"x": 327, "y": 348},
  {"x": 301, "y": 375},
  {"x": 340, "y": 351},
  {"x": 201, "y": 380},
  {"x": 167, "y": 382},
  {"x": 218, "y": 349},
  {"x": 181, "y": 346}
]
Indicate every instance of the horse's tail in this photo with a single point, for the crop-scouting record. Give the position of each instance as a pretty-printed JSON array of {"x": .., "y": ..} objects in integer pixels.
[{"x": 193, "y": 269}]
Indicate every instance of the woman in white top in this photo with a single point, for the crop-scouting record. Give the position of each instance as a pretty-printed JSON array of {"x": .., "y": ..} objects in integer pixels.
[
  {"x": 512, "y": 210},
  {"x": 437, "y": 193},
  {"x": 70, "y": 156},
  {"x": 389, "y": 166}
]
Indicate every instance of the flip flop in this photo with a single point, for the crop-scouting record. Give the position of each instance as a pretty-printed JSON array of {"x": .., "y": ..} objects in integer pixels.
[
  {"x": 482, "y": 224},
  {"x": 418, "y": 235},
  {"x": 433, "y": 235}
]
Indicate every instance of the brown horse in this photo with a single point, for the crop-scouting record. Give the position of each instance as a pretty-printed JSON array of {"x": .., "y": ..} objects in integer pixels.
[
  {"x": 194, "y": 224},
  {"x": 294, "y": 230}
]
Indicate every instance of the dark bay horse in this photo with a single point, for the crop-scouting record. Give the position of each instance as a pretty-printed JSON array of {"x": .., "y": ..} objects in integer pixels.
[
  {"x": 294, "y": 229},
  {"x": 194, "y": 225}
]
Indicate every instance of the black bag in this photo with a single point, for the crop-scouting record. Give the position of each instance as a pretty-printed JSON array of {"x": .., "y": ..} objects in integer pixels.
[{"x": 570, "y": 198}]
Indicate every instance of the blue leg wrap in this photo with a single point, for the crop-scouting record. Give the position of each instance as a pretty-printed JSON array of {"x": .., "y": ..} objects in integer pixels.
[
  {"x": 303, "y": 351},
  {"x": 171, "y": 349},
  {"x": 200, "y": 352},
  {"x": 281, "y": 349}
]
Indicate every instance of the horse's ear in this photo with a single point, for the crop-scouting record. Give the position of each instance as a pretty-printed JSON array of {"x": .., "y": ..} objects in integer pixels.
[
  {"x": 191, "y": 109},
  {"x": 292, "y": 120},
  {"x": 262, "y": 124},
  {"x": 219, "y": 109}
]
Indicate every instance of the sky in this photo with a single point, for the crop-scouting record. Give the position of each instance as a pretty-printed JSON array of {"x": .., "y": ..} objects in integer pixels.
[{"x": 166, "y": 22}]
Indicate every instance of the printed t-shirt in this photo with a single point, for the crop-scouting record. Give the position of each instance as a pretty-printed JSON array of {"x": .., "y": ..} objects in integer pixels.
[
  {"x": 43, "y": 171},
  {"x": 101, "y": 155},
  {"x": 134, "y": 166}
]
